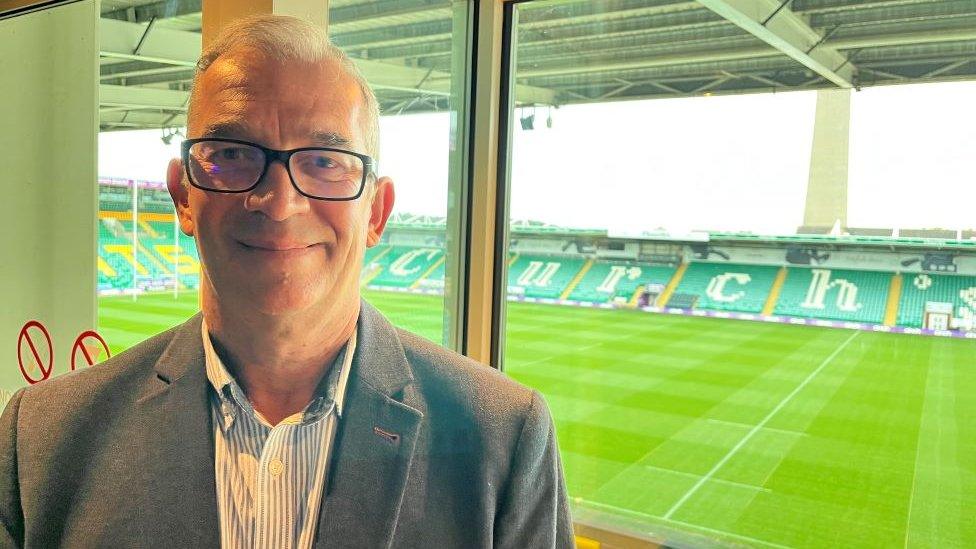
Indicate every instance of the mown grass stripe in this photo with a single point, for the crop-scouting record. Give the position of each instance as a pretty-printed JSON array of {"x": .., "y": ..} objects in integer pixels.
[{"x": 677, "y": 505}]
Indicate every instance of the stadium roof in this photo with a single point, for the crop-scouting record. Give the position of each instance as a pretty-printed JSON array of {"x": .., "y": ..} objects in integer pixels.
[{"x": 575, "y": 51}]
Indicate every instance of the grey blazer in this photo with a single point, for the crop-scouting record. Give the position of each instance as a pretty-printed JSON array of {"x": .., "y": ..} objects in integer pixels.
[{"x": 122, "y": 454}]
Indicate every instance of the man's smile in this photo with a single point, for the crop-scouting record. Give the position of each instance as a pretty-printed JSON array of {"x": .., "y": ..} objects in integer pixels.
[{"x": 281, "y": 248}]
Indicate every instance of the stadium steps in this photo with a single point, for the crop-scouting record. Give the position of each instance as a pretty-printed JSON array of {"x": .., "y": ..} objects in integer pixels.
[
  {"x": 143, "y": 250},
  {"x": 635, "y": 299},
  {"x": 121, "y": 216},
  {"x": 428, "y": 272},
  {"x": 149, "y": 230},
  {"x": 377, "y": 272},
  {"x": 894, "y": 297},
  {"x": 105, "y": 268},
  {"x": 125, "y": 250},
  {"x": 187, "y": 263},
  {"x": 770, "y": 305},
  {"x": 155, "y": 217},
  {"x": 672, "y": 285},
  {"x": 576, "y": 280}
]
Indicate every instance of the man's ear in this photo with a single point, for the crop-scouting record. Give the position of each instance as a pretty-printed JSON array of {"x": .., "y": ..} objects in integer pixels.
[
  {"x": 180, "y": 194},
  {"x": 380, "y": 209}
]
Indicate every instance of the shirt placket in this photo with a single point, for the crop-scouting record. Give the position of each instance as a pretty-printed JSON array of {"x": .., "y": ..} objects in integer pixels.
[{"x": 274, "y": 523}]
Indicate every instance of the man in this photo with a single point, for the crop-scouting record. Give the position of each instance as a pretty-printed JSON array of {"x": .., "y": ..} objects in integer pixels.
[{"x": 289, "y": 413}]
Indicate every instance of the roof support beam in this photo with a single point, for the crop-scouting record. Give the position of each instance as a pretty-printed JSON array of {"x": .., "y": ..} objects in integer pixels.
[
  {"x": 379, "y": 10},
  {"x": 160, "y": 10},
  {"x": 787, "y": 32},
  {"x": 182, "y": 48},
  {"x": 132, "y": 97}
]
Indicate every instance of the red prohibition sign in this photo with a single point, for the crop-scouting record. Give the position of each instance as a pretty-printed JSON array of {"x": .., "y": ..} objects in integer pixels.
[
  {"x": 80, "y": 344},
  {"x": 25, "y": 338}
]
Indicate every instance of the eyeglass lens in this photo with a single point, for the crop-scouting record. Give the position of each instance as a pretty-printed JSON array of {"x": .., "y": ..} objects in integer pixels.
[{"x": 224, "y": 166}]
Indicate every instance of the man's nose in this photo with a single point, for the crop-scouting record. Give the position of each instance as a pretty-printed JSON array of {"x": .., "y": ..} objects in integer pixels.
[{"x": 276, "y": 196}]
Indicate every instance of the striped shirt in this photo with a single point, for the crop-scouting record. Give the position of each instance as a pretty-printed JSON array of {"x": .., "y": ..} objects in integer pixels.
[{"x": 270, "y": 479}]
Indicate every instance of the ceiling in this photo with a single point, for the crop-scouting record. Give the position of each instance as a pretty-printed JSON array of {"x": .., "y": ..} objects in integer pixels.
[{"x": 572, "y": 51}]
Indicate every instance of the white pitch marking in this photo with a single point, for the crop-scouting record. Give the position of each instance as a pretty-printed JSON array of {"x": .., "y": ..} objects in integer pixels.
[
  {"x": 918, "y": 447},
  {"x": 747, "y": 425},
  {"x": 759, "y": 426},
  {"x": 719, "y": 480},
  {"x": 713, "y": 531}
]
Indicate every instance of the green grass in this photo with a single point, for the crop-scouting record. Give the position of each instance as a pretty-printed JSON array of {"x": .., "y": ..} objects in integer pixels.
[{"x": 749, "y": 433}]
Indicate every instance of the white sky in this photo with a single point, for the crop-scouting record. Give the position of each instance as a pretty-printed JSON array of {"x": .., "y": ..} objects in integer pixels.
[{"x": 718, "y": 163}]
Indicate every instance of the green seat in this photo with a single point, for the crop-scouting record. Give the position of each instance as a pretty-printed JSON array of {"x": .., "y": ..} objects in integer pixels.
[
  {"x": 607, "y": 281},
  {"x": 542, "y": 276},
  {"x": 728, "y": 287},
  {"x": 917, "y": 289},
  {"x": 402, "y": 266},
  {"x": 834, "y": 294}
]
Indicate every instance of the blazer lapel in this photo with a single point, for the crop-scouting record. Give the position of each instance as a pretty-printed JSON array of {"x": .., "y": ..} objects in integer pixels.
[
  {"x": 179, "y": 446},
  {"x": 374, "y": 444}
]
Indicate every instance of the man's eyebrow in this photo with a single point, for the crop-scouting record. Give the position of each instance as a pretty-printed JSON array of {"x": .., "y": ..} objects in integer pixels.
[
  {"x": 228, "y": 128},
  {"x": 238, "y": 129},
  {"x": 328, "y": 139}
]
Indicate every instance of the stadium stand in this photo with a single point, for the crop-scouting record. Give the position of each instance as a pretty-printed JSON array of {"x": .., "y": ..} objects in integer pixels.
[
  {"x": 542, "y": 276},
  {"x": 402, "y": 266},
  {"x": 433, "y": 281},
  {"x": 372, "y": 254},
  {"x": 858, "y": 296},
  {"x": 919, "y": 289},
  {"x": 555, "y": 267},
  {"x": 607, "y": 281},
  {"x": 155, "y": 259},
  {"x": 727, "y": 287}
]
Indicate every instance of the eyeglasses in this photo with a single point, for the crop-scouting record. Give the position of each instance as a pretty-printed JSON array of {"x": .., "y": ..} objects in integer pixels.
[{"x": 235, "y": 166}]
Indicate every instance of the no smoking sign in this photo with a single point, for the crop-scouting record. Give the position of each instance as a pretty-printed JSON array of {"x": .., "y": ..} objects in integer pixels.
[
  {"x": 35, "y": 351},
  {"x": 90, "y": 346}
]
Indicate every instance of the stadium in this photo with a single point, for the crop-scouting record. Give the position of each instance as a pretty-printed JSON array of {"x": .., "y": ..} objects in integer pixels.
[{"x": 751, "y": 311}]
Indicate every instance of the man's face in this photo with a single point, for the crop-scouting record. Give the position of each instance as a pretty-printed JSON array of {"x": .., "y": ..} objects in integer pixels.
[{"x": 272, "y": 249}]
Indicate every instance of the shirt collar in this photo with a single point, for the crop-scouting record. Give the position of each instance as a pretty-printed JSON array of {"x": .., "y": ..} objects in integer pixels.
[{"x": 329, "y": 396}]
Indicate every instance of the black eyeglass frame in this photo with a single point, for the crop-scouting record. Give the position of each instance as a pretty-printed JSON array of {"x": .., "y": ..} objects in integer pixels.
[{"x": 270, "y": 155}]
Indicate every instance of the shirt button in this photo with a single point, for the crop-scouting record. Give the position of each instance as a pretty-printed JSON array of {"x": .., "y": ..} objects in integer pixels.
[{"x": 276, "y": 467}]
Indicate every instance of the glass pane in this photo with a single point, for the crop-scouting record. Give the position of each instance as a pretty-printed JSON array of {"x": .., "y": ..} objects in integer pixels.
[
  {"x": 414, "y": 59},
  {"x": 47, "y": 108},
  {"x": 746, "y": 290},
  {"x": 148, "y": 271}
]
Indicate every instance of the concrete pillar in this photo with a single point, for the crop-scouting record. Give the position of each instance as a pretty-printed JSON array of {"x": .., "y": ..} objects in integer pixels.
[
  {"x": 49, "y": 109},
  {"x": 827, "y": 188}
]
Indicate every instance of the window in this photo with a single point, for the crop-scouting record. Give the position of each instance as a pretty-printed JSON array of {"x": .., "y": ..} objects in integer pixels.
[
  {"x": 684, "y": 179},
  {"x": 413, "y": 54},
  {"x": 148, "y": 272}
]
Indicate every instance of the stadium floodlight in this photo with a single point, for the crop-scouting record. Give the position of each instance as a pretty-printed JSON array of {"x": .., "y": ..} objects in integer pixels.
[{"x": 527, "y": 117}]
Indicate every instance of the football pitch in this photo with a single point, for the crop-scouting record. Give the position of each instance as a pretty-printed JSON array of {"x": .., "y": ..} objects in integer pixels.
[{"x": 745, "y": 433}]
